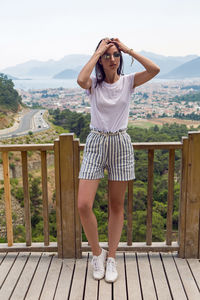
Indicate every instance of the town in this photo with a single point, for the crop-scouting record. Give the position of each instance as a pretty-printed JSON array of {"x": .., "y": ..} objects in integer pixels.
[{"x": 152, "y": 100}]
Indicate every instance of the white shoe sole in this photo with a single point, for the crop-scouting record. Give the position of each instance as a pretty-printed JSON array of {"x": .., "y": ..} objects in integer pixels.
[{"x": 110, "y": 281}]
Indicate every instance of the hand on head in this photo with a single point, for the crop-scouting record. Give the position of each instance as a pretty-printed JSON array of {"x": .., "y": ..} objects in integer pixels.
[
  {"x": 104, "y": 45},
  {"x": 121, "y": 46}
]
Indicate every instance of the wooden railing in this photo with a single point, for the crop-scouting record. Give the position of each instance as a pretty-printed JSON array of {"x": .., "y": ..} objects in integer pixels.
[{"x": 67, "y": 163}]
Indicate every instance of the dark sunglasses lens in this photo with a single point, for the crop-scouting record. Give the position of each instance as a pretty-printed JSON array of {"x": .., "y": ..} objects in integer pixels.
[{"x": 117, "y": 54}]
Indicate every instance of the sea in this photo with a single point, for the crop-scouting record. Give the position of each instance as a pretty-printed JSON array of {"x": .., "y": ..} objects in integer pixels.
[{"x": 44, "y": 83}]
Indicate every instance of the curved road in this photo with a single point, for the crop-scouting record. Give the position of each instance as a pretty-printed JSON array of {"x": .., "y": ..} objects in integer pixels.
[{"x": 32, "y": 121}]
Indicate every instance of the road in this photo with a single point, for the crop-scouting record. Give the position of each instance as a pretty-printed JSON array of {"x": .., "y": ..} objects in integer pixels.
[{"x": 31, "y": 121}]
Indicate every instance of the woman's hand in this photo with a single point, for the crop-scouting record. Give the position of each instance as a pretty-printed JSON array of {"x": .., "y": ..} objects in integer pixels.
[
  {"x": 104, "y": 46},
  {"x": 122, "y": 47}
]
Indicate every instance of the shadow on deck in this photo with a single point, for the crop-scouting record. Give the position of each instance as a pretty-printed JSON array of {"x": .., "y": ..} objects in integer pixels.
[{"x": 141, "y": 276}]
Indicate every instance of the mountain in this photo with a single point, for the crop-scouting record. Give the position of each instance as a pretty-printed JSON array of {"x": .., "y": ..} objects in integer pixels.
[
  {"x": 51, "y": 68},
  {"x": 66, "y": 74},
  {"x": 48, "y": 68},
  {"x": 189, "y": 69}
]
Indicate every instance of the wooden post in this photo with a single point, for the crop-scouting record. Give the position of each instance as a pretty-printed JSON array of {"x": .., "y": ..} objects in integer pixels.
[
  {"x": 78, "y": 227},
  {"x": 58, "y": 197},
  {"x": 183, "y": 197},
  {"x": 27, "y": 211},
  {"x": 170, "y": 197},
  {"x": 190, "y": 206},
  {"x": 8, "y": 207},
  {"x": 193, "y": 197},
  {"x": 45, "y": 208},
  {"x": 66, "y": 206},
  {"x": 150, "y": 197},
  {"x": 130, "y": 214}
]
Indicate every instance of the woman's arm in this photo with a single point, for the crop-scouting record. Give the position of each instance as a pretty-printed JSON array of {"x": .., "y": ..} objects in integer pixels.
[
  {"x": 84, "y": 79},
  {"x": 151, "y": 68}
]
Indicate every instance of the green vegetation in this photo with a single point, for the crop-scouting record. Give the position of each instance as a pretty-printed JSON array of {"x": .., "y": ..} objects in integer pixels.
[
  {"x": 9, "y": 97},
  {"x": 79, "y": 124},
  {"x": 36, "y": 211},
  {"x": 191, "y": 116},
  {"x": 190, "y": 97},
  {"x": 72, "y": 121}
]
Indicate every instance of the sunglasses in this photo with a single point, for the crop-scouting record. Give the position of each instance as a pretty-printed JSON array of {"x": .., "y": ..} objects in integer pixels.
[{"x": 107, "y": 56}]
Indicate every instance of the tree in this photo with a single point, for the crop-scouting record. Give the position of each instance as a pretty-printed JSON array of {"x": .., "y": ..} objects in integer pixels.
[{"x": 9, "y": 97}]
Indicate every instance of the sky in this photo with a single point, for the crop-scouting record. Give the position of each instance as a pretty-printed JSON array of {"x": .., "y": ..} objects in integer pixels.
[{"x": 49, "y": 29}]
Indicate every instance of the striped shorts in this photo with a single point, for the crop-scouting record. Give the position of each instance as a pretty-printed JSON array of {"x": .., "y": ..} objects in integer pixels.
[{"x": 111, "y": 151}]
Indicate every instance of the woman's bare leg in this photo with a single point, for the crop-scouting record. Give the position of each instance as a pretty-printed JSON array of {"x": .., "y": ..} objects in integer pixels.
[
  {"x": 86, "y": 195},
  {"x": 117, "y": 191}
]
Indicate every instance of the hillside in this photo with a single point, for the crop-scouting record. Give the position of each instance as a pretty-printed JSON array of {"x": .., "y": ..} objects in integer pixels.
[
  {"x": 9, "y": 97},
  {"x": 189, "y": 69},
  {"x": 10, "y": 102},
  {"x": 66, "y": 74}
]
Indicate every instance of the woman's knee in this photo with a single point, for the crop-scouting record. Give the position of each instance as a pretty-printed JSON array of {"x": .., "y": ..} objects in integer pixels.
[
  {"x": 84, "y": 207},
  {"x": 116, "y": 208}
]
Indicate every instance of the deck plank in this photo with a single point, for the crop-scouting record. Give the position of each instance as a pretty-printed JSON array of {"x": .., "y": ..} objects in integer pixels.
[
  {"x": 173, "y": 277},
  {"x": 79, "y": 279},
  {"x": 91, "y": 289},
  {"x": 148, "y": 289},
  {"x": 52, "y": 279},
  {"x": 105, "y": 290},
  {"x": 43, "y": 275},
  {"x": 2, "y": 256},
  {"x": 120, "y": 284},
  {"x": 134, "y": 290},
  {"x": 195, "y": 267},
  {"x": 187, "y": 278},
  {"x": 6, "y": 265},
  {"x": 25, "y": 279},
  {"x": 39, "y": 277},
  {"x": 160, "y": 280},
  {"x": 14, "y": 275},
  {"x": 64, "y": 282}
]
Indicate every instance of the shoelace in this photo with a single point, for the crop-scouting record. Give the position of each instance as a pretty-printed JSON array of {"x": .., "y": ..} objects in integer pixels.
[
  {"x": 95, "y": 263},
  {"x": 111, "y": 266}
]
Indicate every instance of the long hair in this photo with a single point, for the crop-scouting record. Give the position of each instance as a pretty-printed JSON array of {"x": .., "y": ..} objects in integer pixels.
[{"x": 99, "y": 71}]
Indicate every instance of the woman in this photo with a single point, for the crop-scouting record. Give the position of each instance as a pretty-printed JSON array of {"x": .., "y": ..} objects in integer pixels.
[{"x": 108, "y": 145}]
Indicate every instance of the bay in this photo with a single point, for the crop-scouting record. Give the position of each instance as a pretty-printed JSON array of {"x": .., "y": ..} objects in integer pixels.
[{"x": 44, "y": 83}]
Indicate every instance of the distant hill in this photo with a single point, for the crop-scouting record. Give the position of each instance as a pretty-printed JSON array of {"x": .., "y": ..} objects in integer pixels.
[
  {"x": 189, "y": 69},
  {"x": 166, "y": 63},
  {"x": 12, "y": 77},
  {"x": 48, "y": 68},
  {"x": 51, "y": 68},
  {"x": 66, "y": 74}
]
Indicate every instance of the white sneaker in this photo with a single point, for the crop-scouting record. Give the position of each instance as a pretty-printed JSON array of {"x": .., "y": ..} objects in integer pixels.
[
  {"x": 98, "y": 263},
  {"x": 111, "y": 271}
]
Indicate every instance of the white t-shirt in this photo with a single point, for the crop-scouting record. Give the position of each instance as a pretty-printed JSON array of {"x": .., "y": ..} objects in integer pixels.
[{"x": 110, "y": 103}]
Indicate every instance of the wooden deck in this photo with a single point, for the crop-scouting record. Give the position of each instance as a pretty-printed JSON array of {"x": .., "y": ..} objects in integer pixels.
[{"x": 141, "y": 276}]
